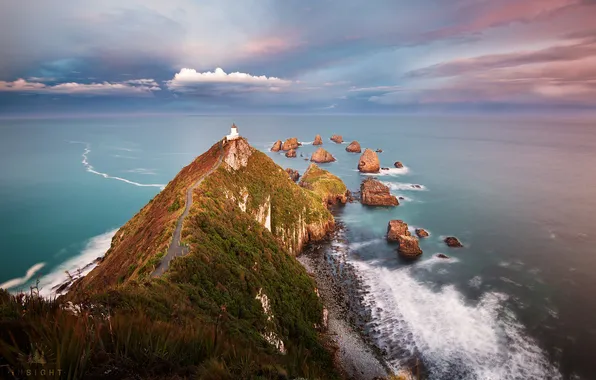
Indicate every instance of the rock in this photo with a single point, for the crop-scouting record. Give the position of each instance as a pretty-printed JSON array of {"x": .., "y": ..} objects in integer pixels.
[
  {"x": 452, "y": 242},
  {"x": 417, "y": 186},
  {"x": 379, "y": 151},
  {"x": 395, "y": 228},
  {"x": 384, "y": 168},
  {"x": 322, "y": 156},
  {"x": 369, "y": 162},
  {"x": 421, "y": 232},
  {"x": 442, "y": 256},
  {"x": 408, "y": 247},
  {"x": 276, "y": 146},
  {"x": 398, "y": 164},
  {"x": 294, "y": 174},
  {"x": 291, "y": 153},
  {"x": 354, "y": 147},
  {"x": 337, "y": 138},
  {"x": 374, "y": 193},
  {"x": 318, "y": 140},
  {"x": 291, "y": 143},
  {"x": 401, "y": 198},
  {"x": 329, "y": 187}
]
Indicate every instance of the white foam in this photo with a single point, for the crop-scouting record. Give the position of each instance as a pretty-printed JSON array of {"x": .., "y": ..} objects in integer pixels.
[
  {"x": 143, "y": 171},
  {"x": 475, "y": 282},
  {"x": 121, "y": 156},
  {"x": 79, "y": 265},
  {"x": 22, "y": 280},
  {"x": 90, "y": 169},
  {"x": 390, "y": 172},
  {"x": 456, "y": 340},
  {"x": 398, "y": 186},
  {"x": 359, "y": 245},
  {"x": 305, "y": 143}
]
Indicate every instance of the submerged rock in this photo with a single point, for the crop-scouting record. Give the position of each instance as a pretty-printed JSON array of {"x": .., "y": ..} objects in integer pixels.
[
  {"x": 374, "y": 193},
  {"x": 453, "y": 242},
  {"x": 291, "y": 153},
  {"x": 398, "y": 164},
  {"x": 421, "y": 232},
  {"x": 318, "y": 140},
  {"x": 322, "y": 156},
  {"x": 337, "y": 138},
  {"x": 408, "y": 247},
  {"x": 442, "y": 256},
  {"x": 354, "y": 147},
  {"x": 379, "y": 151},
  {"x": 294, "y": 174},
  {"x": 369, "y": 162},
  {"x": 395, "y": 228},
  {"x": 291, "y": 143},
  {"x": 276, "y": 146}
]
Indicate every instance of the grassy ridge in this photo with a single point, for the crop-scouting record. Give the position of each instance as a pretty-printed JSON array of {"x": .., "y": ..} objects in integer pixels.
[{"x": 330, "y": 188}]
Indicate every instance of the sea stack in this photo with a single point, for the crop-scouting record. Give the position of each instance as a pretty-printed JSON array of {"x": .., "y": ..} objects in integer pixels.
[
  {"x": 337, "y": 138},
  {"x": 421, "y": 232},
  {"x": 276, "y": 146},
  {"x": 291, "y": 143},
  {"x": 322, "y": 156},
  {"x": 374, "y": 193},
  {"x": 354, "y": 147},
  {"x": 291, "y": 153},
  {"x": 408, "y": 247},
  {"x": 318, "y": 140},
  {"x": 369, "y": 162},
  {"x": 395, "y": 228},
  {"x": 453, "y": 242}
]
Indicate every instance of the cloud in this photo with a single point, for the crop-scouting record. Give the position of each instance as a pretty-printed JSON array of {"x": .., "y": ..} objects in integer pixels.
[{"x": 139, "y": 87}]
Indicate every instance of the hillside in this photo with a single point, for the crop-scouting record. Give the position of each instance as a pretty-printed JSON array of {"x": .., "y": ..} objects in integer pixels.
[{"x": 239, "y": 305}]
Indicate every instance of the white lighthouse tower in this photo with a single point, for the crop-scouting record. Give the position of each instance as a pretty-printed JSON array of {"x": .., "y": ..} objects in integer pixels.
[{"x": 233, "y": 133}]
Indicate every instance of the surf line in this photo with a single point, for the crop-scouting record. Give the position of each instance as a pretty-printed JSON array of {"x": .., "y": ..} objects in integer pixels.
[{"x": 92, "y": 170}]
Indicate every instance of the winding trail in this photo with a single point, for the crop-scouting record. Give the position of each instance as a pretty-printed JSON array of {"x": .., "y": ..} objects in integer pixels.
[{"x": 176, "y": 249}]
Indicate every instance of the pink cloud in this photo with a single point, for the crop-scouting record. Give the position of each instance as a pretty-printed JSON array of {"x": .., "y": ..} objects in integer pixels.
[{"x": 138, "y": 87}]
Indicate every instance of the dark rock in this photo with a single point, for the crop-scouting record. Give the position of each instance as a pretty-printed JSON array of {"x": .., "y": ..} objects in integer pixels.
[
  {"x": 395, "y": 228},
  {"x": 453, "y": 242},
  {"x": 379, "y": 151},
  {"x": 398, "y": 164},
  {"x": 421, "y": 232},
  {"x": 442, "y": 256},
  {"x": 384, "y": 168},
  {"x": 374, "y": 193},
  {"x": 294, "y": 174}
]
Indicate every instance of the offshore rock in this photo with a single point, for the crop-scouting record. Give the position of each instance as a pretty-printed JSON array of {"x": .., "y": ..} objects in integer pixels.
[
  {"x": 276, "y": 146},
  {"x": 395, "y": 228},
  {"x": 453, "y": 242},
  {"x": 398, "y": 164},
  {"x": 408, "y": 247},
  {"x": 354, "y": 147},
  {"x": 291, "y": 143},
  {"x": 337, "y": 138},
  {"x": 421, "y": 232},
  {"x": 374, "y": 193},
  {"x": 322, "y": 156},
  {"x": 318, "y": 140},
  {"x": 369, "y": 162},
  {"x": 291, "y": 153}
]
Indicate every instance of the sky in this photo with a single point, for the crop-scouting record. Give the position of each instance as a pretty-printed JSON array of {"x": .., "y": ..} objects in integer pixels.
[{"x": 303, "y": 56}]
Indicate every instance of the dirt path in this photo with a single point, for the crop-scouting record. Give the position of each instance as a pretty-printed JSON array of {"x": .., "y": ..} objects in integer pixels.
[{"x": 176, "y": 249}]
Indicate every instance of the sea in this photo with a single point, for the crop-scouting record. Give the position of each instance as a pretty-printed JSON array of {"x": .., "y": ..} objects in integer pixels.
[{"x": 517, "y": 302}]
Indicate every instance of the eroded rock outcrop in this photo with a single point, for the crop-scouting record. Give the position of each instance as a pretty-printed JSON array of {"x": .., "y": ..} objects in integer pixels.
[
  {"x": 293, "y": 174},
  {"x": 322, "y": 156},
  {"x": 408, "y": 247},
  {"x": 318, "y": 140},
  {"x": 337, "y": 138},
  {"x": 453, "y": 242},
  {"x": 276, "y": 146},
  {"x": 291, "y": 143},
  {"x": 421, "y": 232},
  {"x": 395, "y": 228},
  {"x": 354, "y": 147},
  {"x": 398, "y": 164},
  {"x": 374, "y": 193},
  {"x": 329, "y": 187},
  {"x": 238, "y": 154},
  {"x": 291, "y": 153},
  {"x": 369, "y": 162}
]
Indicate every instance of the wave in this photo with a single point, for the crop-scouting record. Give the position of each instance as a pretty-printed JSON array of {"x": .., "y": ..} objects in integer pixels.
[
  {"x": 142, "y": 171},
  {"x": 77, "y": 266},
  {"x": 126, "y": 157},
  {"x": 455, "y": 339},
  {"x": 389, "y": 172},
  {"x": 22, "y": 280},
  {"x": 92, "y": 170},
  {"x": 305, "y": 142},
  {"x": 359, "y": 245},
  {"x": 399, "y": 186}
]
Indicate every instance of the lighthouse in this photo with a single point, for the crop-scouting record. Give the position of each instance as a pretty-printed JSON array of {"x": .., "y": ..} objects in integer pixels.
[{"x": 233, "y": 133}]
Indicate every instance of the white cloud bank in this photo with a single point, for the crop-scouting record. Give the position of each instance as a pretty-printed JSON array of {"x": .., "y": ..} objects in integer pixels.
[
  {"x": 136, "y": 87},
  {"x": 190, "y": 78}
]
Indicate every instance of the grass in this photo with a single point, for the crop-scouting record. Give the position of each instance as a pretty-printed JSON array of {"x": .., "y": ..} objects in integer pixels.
[{"x": 327, "y": 186}]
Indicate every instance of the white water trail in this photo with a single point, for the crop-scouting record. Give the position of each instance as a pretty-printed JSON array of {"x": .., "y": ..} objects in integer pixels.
[{"x": 22, "y": 280}]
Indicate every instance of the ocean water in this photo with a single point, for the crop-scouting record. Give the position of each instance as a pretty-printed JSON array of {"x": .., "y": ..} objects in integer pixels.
[{"x": 516, "y": 303}]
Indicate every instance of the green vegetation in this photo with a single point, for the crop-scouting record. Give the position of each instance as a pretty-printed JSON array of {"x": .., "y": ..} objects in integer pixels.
[
  {"x": 327, "y": 186},
  {"x": 202, "y": 318},
  {"x": 174, "y": 206}
]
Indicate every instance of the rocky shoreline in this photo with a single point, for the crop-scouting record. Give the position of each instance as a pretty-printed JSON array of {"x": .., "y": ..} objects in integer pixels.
[{"x": 342, "y": 294}]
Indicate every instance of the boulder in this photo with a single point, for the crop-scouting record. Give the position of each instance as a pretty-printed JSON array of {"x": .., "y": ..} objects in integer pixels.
[
  {"x": 321, "y": 156},
  {"x": 337, "y": 138},
  {"x": 369, "y": 162},
  {"x": 294, "y": 174},
  {"x": 398, "y": 164},
  {"x": 453, "y": 242},
  {"x": 291, "y": 153},
  {"x": 442, "y": 256},
  {"x": 354, "y": 147},
  {"x": 291, "y": 143},
  {"x": 374, "y": 193},
  {"x": 421, "y": 232},
  {"x": 395, "y": 228},
  {"x": 318, "y": 140},
  {"x": 408, "y": 247},
  {"x": 379, "y": 150},
  {"x": 276, "y": 146}
]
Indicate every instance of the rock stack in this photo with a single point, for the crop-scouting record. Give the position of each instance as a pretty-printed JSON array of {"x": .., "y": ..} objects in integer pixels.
[
  {"x": 276, "y": 146},
  {"x": 395, "y": 228},
  {"x": 322, "y": 156},
  {"x": 337, "y": 138},
  {"x": 291, "y": 143},
  {"x": 318, "y": 140},
  {"x": 369, "y": 162},
  {"x": 354, "y": 147},
  {"x": 374, "y": 193}
]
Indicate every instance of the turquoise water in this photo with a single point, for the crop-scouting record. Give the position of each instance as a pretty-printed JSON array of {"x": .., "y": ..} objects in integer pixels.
[{"x": 519, "y": 193}]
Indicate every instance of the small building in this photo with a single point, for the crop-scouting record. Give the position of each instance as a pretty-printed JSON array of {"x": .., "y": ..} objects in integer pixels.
[{"x": 233, "y": 133}]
